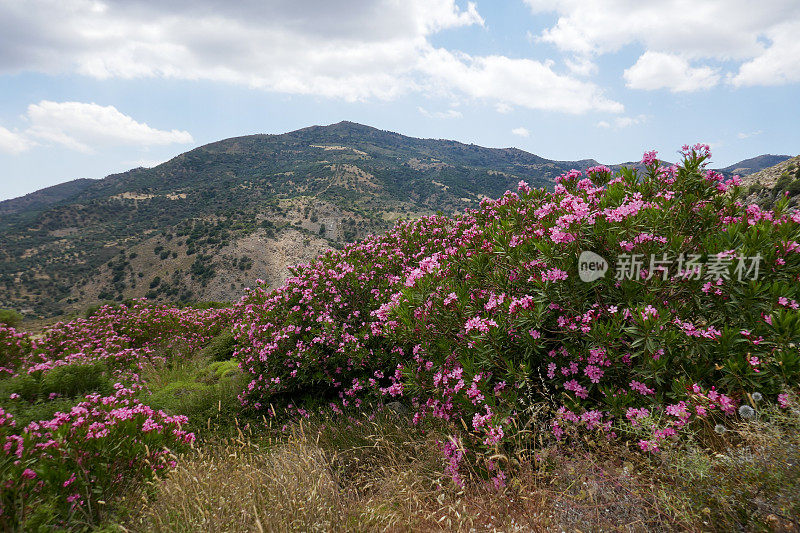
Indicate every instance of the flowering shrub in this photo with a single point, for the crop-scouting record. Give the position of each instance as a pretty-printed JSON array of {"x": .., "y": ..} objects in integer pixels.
[
  {"x": 477, "y": 318},
  {"x": 14, "y": 345},
  {"x": 82, "y": 457},
  {"x": 66, "y": 465},
  {"x": 126, "y": 337},
  {"x": 508, "y": 321},
  {"x": 318, "y": 334}
]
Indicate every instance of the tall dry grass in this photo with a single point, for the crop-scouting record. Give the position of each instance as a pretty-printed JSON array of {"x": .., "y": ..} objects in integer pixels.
[
  {"x": 239, "y": 486},
  {"x": 349, "y": 474}
]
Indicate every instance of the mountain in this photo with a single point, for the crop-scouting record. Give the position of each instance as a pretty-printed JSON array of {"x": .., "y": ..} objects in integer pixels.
[
  {"x": 44, "y": 198},
  {"x": 769, "y": 176},
  {"x": 767, "y": 186},
  {"x": 212, "y": 220},
  {"x": 754, "y": 164}
]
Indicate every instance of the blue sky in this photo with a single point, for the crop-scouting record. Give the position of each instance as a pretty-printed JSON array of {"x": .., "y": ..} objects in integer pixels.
[{"x": 92, "y": 87}]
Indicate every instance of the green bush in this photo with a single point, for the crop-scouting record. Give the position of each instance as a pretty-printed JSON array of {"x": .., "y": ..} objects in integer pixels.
[
  {"x": 10, "y": 317},
  {"x": 220, "y": 348},
  {"x": 25, "y": 412},
  {"x": 211, "y": 396},
  {"x": 77, "y": 380},
  {"x": 65, "y": 471},
  {"x": 68, "y": 380},
  {"x": 219, "y": 370},
  {"x": 487, "y": 319}
]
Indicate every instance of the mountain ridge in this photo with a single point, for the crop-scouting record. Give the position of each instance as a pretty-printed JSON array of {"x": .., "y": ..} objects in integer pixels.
[
  {"x": 337, "y": 131},
  {"x": 45, "y": 197}
]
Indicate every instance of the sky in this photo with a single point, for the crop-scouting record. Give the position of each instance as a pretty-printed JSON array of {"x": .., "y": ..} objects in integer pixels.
[{"x": 93, "y": 87}]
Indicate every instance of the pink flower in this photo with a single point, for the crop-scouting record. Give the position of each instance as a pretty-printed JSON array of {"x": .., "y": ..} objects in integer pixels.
[
  {"x": 499, "y": 480},
  {"x": 649, "y": 158},
  {"x": 783, "y": 400},
  {"x": 641, "y": 388},
  {"x": 648, "y": 446},
  {"x": 579, "y": 390},
  {"x": 28, "y": 474},
  {"x": 634, "y": 415},
  {"x": 557, "y": 431},
  {"x": 554, "y": 274},
  {"x": 678, "y": 410},
  {"x": 648, "y": 312},
  {"x": 594, "y": 373},
  {"x": 495, "y": 435},
  {"x": 480, "y": 324}
]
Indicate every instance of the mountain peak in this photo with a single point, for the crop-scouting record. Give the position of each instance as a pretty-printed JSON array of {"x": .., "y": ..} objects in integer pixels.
[{"x": 755, "y": 164}]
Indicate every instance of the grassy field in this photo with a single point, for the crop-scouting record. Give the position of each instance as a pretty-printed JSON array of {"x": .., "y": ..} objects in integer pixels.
[{"x": 380, "y": 473}]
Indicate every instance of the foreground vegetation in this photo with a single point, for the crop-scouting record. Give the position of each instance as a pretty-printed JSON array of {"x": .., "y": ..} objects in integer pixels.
[
  {"x": 455, "y": 373},
  {"x": 361, "y": 475}
]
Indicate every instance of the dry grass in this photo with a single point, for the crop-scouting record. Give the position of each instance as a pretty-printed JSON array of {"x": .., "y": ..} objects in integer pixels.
[
  {"x": 382, "y": 475},
  {"x": 240, "y": 487}
]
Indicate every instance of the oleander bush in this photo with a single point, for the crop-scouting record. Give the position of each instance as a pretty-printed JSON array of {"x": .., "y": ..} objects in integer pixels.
[
  {"x": 14, "y": 345},
  {"x": 74, "y": 431},
  {"x": 482, "y": 319},
  {"x": 62, "y": 472}
]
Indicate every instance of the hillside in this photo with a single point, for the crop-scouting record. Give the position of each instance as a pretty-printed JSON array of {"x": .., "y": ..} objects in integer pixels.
[
  {"x": 211, "y": 221},
  {"x": 44, "y": 198},
  {"x": 771, "y": 184},
  {"x": 754, "y": 164}
]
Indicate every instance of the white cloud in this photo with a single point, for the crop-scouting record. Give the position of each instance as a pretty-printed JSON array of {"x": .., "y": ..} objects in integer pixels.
[
  {"x": 12, "y": 143},
  {"x": 656, "y": 70},
  {"x": 759, "y": 36},
  {"x": 778, "y": 64},
  {"x": 81, "y": 126},
  {"x": 521, "y": 132},
  {"x": 450, "y": 113},
  {"x": 354, "y": 50},
  {"x": 623, "y": 122},
  {"x": 743, "y": 135},
  {"x": 146, "y": 163},
  {"x": 521, "y": 82},
  {"x": 503, "y": 108},
  {"x": 581, "y": 66}
]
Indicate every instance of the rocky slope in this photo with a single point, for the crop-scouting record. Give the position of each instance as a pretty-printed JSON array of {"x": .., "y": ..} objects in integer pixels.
[{"x": 771, "y": 184}]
